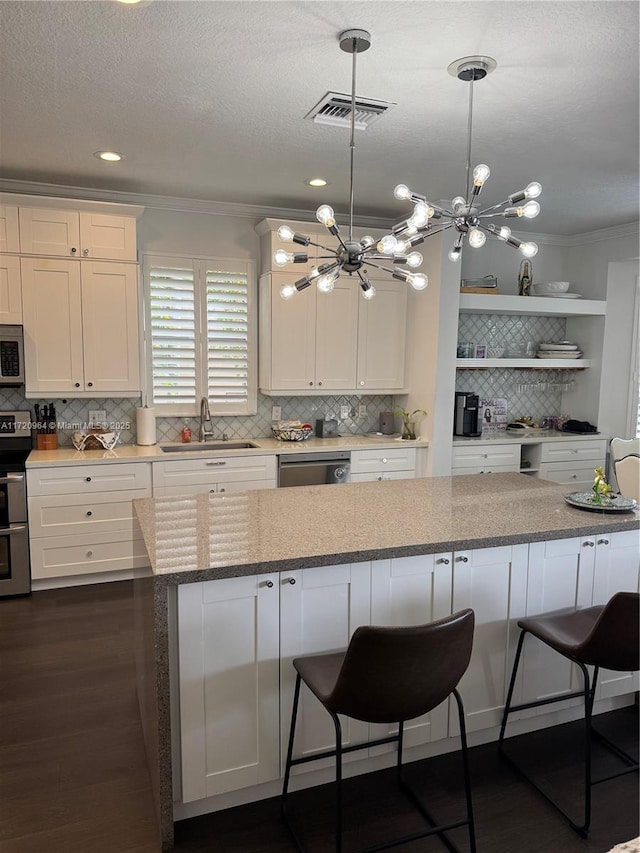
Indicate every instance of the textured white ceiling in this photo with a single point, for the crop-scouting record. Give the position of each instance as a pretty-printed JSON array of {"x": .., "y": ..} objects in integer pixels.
[{"x": 207, "y": 100}]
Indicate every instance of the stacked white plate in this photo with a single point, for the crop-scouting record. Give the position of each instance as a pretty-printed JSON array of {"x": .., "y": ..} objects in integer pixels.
[
  {"x": 559, "y": 349},
  {"x": 553, "y": 290}
]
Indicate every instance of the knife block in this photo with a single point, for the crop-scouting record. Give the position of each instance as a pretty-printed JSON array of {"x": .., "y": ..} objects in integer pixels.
[{"x": 47, "y": 441}]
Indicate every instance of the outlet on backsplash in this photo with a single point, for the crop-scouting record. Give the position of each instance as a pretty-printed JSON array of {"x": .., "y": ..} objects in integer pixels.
[
  {"x": 345, "y": 412},
  {"x": 362, "y": 411},
  {"x": 276, "y": 413}
]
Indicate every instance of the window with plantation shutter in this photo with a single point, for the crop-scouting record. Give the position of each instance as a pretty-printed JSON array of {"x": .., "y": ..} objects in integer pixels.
[{"x": 200, "y": 335}]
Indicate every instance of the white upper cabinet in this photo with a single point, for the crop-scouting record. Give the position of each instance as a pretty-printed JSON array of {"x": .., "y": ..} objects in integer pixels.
[
  {"x": 10, "y": 290},
  {"x": 9, "y": 234},
  {"x": 381, "y": 337},
  {"x": 73, "y": 234},
  {"x": 81, "y": 328}
]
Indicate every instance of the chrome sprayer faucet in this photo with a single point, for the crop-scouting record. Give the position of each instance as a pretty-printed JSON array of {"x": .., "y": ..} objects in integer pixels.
[{"x": 205, "y": 418}]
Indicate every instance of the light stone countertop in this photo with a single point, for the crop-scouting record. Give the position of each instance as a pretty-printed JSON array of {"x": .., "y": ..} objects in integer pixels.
[
  {"x": 211, "y": 536},
  {"x": 154, "y": 453},
  {"x": 504, "y": 437}
]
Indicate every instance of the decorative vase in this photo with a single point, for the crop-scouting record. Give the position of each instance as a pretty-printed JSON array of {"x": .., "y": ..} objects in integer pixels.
[{"x": 409, "y": 430}]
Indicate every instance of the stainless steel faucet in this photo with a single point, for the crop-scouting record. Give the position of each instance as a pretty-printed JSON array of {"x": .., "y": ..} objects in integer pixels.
[{"x": 205, "y": 418}]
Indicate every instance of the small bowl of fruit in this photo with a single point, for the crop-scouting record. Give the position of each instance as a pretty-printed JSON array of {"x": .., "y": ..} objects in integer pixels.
[{"x": 294, "y": 430}]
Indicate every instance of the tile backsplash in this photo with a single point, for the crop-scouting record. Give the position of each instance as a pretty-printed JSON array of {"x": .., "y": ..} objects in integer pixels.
[{"x": 73, "y": 414}]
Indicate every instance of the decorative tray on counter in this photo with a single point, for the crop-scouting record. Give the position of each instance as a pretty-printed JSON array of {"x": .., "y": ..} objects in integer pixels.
[{"x": 614, "y": 503}]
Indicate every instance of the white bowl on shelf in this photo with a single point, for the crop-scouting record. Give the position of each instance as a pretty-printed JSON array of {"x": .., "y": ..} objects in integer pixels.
[{"x": 550, "y": 287}]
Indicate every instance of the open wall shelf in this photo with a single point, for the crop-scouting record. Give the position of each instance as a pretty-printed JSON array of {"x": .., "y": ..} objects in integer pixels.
[
  {"x": 531, "y": 306},
  {"x": 523, "y": 363}
]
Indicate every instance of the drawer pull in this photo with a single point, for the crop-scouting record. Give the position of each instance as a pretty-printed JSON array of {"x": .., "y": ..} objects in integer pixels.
[
  {"x": 603, "y": 541},
  {"x": 462, "y": 559},
  {"x": 384, "y": 460},
  {"x": 212, "y": 491},
  {"x": 588, "y": 544},
  {"x": 223, "y": 490},
  {"x": 443, "y": 560},
  {"x": 89, "y": 553},
  {"x": 221, "y": 462},
  {"x": 269, "y": 584},
  {"x": 88, "y": 479},
  {"x": 89, "y": 512},
  {"x": 289, "y": 580}
]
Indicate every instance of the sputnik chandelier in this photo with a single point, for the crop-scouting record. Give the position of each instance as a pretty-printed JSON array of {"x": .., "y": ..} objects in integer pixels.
[
  {"x": 349, "y": 256},
  {"x": 465, "y": 214}
]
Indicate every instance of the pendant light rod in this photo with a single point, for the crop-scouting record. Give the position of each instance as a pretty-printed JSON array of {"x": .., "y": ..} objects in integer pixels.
[{"x": 469, "y": 127}]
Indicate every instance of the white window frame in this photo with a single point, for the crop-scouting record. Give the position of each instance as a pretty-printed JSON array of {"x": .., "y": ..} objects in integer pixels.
[{"x": 200, "y": 264}]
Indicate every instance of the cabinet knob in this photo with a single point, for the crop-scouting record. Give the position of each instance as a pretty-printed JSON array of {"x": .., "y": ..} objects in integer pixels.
[
  {"x": 485, "y": 455},
  {"x": 89, "y": 512},
  {"x": 574, "y": 476},
  {"x": 269, "y": 584},
  {"x": 73, "y": 250},
  {"x": 361, "y": 382},
  {"x": 89, "y": 384},
  {"x": 223, "y": 490},
  {"x": 85, "y": 252},
  {"x": 88, "y": 479},
  {"x": 384, "y": 460},
  {"x": 77, "y": 384},
  {"x": 289, "y": 580},
  {"x": 603, "y": 541},
  {"x": 588, "y": 544},
  {"x": 311, "y": 385},
  {"x": 212, "y": 491},
  {"x": 320, "y": 384},
  {"x": 462, "y": 559},
  {"x": 89, "y": 553},
  {"x": 443, "y": 560},
  {"x": 380, "y": 477}
]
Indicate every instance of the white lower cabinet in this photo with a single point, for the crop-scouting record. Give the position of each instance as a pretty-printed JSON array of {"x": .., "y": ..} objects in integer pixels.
[
  {"x": 237, "y": 639},
  {"x": 213, "y": 474},
  {"x": 82, "y": 521},
  {"x": 229, "y": 703},
  {"x": 492, "y": 582}
]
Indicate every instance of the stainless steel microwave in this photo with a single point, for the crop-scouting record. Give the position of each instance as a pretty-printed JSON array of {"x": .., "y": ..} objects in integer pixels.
[{"x": 11, "y": 355}]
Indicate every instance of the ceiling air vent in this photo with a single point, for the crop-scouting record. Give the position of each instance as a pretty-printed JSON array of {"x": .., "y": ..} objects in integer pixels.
[{"x": 335, "y": 109}]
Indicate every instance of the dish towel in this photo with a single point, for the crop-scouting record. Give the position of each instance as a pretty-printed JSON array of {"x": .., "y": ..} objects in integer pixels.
[{"x": 632, "y": 846}]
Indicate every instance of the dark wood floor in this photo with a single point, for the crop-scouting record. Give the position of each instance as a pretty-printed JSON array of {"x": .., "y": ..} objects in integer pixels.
[{"x": 73, "y": 777}]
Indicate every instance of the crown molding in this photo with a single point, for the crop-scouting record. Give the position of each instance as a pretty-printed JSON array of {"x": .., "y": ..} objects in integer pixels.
[
  {"x": 255, "y": 211},
  {"x": 182, "y": 205}
]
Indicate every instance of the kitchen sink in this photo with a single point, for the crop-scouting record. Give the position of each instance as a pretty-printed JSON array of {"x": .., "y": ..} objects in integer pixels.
[{"x": 207, "y": 445}]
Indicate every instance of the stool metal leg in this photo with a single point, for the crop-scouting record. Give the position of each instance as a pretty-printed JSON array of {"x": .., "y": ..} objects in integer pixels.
[
  {"x": 512, "y": 684},
  {"x": 467, "y": 775},
  {"x": 287, "y": 770},
  {"x": 338, "y": 728}
]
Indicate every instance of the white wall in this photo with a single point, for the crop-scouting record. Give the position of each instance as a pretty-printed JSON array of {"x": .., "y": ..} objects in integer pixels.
[
  {"x": 198, "y": 234},
  {"x": 496, "y": 258},
  {"x": 588, "y": 263}
]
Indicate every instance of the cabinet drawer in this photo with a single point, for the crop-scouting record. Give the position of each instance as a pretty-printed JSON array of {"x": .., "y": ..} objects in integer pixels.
[
  {"x": 89, "y": 479},
  {"x": 576, "y": 474},
  {"x": 60, "y": 556},
  {"x": 66, "y": 515},
  {"x": 373, "y": 476},
  {"x": 572, "y": 451},
  {"x": 487, "y": 468},
  {"x": 212, "y": 470},
  {"x": 213, "y": 488},
  {"x": 379, "y": 460},
  {"x": 493, "y": 454}
]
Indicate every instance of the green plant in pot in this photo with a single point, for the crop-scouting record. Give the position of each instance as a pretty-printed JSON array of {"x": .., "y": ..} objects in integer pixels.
[{"x": 409, "y": 422}]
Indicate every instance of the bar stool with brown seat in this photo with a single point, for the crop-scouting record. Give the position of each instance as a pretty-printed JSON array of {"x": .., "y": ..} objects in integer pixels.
[
  {"x": 606, "y": 636},
  {"x": 388, "y": 675}
]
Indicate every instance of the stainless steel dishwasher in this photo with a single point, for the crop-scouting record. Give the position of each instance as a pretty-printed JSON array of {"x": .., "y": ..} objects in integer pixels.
[{"x": 313, "y": 469}]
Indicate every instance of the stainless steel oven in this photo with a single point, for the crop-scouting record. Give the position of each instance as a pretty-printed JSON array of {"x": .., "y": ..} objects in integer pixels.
[
  {"x": 15, "y": 446},
  {"x": 313, "y": 469}
]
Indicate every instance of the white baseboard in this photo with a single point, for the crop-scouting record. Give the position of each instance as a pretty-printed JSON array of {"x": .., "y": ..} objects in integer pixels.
[{"x": 80, "y": 580}]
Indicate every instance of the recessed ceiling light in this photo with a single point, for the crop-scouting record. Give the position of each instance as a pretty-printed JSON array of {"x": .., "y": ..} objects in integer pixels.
[
  {"x": 109, "y": 156},
  {"x": 317, "y": 182}
]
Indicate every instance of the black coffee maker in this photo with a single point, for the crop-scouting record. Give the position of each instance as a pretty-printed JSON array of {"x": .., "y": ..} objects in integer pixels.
[{"x": 466, "y": 417}]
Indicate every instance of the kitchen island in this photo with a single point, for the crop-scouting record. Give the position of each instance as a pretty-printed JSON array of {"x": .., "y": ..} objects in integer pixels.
[{"x": 241, "y": 583}]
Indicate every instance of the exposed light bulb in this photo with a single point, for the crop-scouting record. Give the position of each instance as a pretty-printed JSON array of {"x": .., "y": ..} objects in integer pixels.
[
  {"x": 369, "y": 293},
  {"x": 458, "y": 204},
  {"x": 454, "y": 254},
  {"x": 528, "y": 249},
  {"x": 281, "y": 257},
  {"x": 481, "y": 174},
  {"x": 530, "y": 210},
  {"x": 418, "y": 281},
  {"x": 414, "y": 259},
  {"x": 477, "y": 238},
  {"x": 504, "y": 233},
  {"x": 286, "y": 234},
  {"x": 420, "y": 215},
  {"x": 326, "y": 283},
  {"x": 287, "y": 291},
  {"x": 367, "y": 242},
  {"x": 401, "y": 247},
  {"x": 533, "y": 190},
  {"x": 402, "y": 192},
  {"x": 388, "y": 245},
  {"x": 325, "y": 215},
  {"x": 314, "y": 272}
]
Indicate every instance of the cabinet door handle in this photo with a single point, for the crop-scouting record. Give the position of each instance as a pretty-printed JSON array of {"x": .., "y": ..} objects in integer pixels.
[
  {"x": 443, "y": 560},
  {"x": 223, "y": 490},
  {"x": 77, "y": 384},
  {"x": 87, "y": 479},
  {"x": 311, "y": 385},
  {"x": 462, "y": 559},
  {"x": 85, "y": 252},
  {"x": 89, "y": 384},
  {"x": 89, "y": 512},
  {"x": 603, "y": 541},
  {"x": 384, "y": 460},
  {"x": 220, "y": 462},
  {"x": 589, "y": 544},
  {"x": 269, "y": 584},
  {"x": 289, "y": 580},
  {"x": 212, "y": 491},
  {"x": 89, "y": 553},
  {"x": 320, "y": 383},
  {"x": 73, "y": 250}
]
